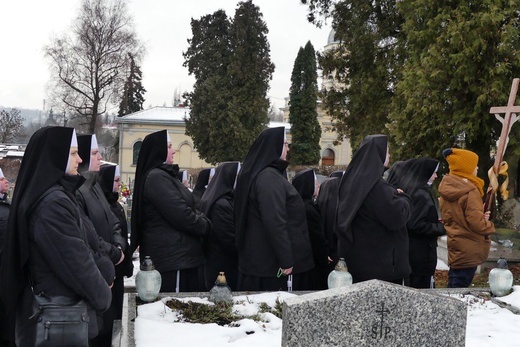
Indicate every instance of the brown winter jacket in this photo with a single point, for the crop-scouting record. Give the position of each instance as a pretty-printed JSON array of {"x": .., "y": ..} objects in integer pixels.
[{"x": 463, "y": 215}]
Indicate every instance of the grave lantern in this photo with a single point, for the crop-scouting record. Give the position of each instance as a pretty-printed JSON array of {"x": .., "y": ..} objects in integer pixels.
[
  {"x": 339, "y": 277},
  {"x": 500, "y": 279},
  {"x": 148, "y": 281},
  {"x": 221, "y": 291}
]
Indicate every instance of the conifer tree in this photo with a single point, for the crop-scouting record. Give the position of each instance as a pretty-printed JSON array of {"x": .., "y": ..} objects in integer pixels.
[
  {"x": 303, "y": 115},
  {"x": 133, "y": 99},
  {"x": 231, "y": 62}
]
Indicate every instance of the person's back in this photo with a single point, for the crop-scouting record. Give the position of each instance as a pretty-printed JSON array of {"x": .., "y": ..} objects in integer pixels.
[
  {"x": 467, "y": 225},
  {"x": 371, "y": 217}
]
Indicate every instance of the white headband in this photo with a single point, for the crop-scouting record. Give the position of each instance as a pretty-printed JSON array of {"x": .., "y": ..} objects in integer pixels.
[
  {"x": 93, "y": 142},
  {"x": 1, "y": 174},
  {"x": 117, "y": 172},
  {"x": 73, "y": 143},
  {"x": 93, "y": 146},
  {"x": 168, "y": 139}
]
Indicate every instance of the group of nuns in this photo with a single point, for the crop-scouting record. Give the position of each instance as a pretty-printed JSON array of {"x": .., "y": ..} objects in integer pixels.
[{"x": 66, "y": 235}]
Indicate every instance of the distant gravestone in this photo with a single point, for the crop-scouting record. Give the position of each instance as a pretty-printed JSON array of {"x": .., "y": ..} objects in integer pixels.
[{"x": 373, "y": 313}]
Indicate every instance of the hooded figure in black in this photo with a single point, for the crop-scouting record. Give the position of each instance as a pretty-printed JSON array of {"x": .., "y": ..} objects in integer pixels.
[
  {"x": 307, "y": 186},
  {"x": 270, "y": 224},
  {"x": 201, "y": 185},
  {"x": 327, "y": 204},
  {"x": 217, "y": 204},
  {"x": 93, "y": 201},
  {"x": 47, "y": 242},
  {"x": 109, "y": 180},
  {"x": 424, "y": 227},
  {"x": 371, "y": 217},
  {"x": 165, "y": 224}
]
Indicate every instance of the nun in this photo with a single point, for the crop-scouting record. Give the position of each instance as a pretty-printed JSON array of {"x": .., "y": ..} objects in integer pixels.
[
  {"x": 327, "y": 204},
  {"x": 425, "y": 225},
  {"x": 47, "y": 245},
  {"x": 109, "y": 180},
  {"x": 184, "y": 177},
  {"x": 201, "y": 185},
  {"x": 96, "y": 207},
  {"x": 165, "y": 224},
  {"x": 219, "y": 246},
  {"x": 271, "y": 230},
  {"x": 307, "y": 186},
  {"x": 371, "y": 217}
]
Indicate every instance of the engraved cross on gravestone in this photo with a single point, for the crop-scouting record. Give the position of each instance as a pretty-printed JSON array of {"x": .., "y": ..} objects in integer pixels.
[{"x": 373, "y": 313}]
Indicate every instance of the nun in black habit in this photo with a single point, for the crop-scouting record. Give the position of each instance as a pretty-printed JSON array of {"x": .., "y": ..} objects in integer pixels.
[
  {"x": 96, "y": 207},
  {"x": 201, "y": 185},
  {"x": 307, "y": 186},
  {"x": 425, "y": 226},
  {"x": 47, "y": 244},
  {"x": 93, "y": 201},
  {"x": 270, "y": 224},
  {"x": 165, "y": 224},
  {"x": 219, "y": 246},
  {"x": 327, "y": 204},
  {"x": 109, "y": 180},
  {"x": 371, "y": 217}
]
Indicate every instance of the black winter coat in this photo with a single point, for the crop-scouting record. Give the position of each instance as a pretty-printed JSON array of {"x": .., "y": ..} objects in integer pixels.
[
  {"x": 92, "y": 200},
  {"x": 319, "y": 246},
  {"x": 380, "y": 239},
  {"x": 424, "y": 228},
  {"x": 276, "y": 234},
  {"x": 61, "y": 262},
  {"x": 126, "y": 268},
  {"x": 172, "y": 228},
  {"x": 220, "y": 249}
]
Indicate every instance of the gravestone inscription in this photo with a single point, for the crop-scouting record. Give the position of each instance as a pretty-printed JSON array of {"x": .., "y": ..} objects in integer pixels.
[{"x": 373, "y": 313}]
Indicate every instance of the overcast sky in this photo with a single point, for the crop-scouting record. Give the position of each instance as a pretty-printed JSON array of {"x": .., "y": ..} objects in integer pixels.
[{"x": 163, "y": 25}]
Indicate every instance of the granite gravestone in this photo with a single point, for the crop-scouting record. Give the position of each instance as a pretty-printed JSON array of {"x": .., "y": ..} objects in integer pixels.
[{"x": 373, "y": 313}]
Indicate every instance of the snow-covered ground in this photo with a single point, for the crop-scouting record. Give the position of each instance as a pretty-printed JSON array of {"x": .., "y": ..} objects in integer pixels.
[{"x": 156, "y": 325}]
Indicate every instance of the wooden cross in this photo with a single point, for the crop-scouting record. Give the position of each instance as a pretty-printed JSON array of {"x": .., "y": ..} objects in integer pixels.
[{"x": 507, "y": 121}]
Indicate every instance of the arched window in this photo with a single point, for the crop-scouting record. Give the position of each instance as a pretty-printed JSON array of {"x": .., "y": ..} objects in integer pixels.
[
  {"x": 136, "y": 148},
  {"x": 327, "y": 157}
]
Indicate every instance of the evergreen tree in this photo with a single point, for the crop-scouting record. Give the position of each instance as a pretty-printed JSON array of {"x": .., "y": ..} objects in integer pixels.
[
  {"x": 365, "y": 64},
  {"x": 461, "y": 60},
  {"x": 133, "y": 99},
  {"x": 232, "y": 67},
  {"x": 303, "y": 116}
]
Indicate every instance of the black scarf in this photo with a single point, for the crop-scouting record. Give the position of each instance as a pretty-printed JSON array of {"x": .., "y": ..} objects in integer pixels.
[
  {"x": 266, "y": 150},
  {"x": 364, "y": 170},
  {"x": 85, "y": 152},
  {"x": 304, "y": 183},
  {"x": 417, "y": 175},
  {"x": 152, "y": 154},
  {"x": 222, "y": 184}
]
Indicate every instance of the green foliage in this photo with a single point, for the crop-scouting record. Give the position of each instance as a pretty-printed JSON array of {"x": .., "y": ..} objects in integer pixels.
[
  {"x": 365, "y": 65},
  {"x": 220, "y": 313},
  {"x": 133, "y": 99},
  {"x": 303, "y": 116},
  {"x": 231, "y": 62},
  {"x": 461, "y": 60},
  {"x": 424, "y": 72}
]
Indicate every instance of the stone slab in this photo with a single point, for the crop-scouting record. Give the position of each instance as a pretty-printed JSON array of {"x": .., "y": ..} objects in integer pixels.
[{"x": 373, "y": 313}]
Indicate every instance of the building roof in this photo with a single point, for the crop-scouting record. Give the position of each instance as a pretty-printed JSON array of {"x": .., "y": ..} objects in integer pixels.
[{"x": 171, "y": 115}]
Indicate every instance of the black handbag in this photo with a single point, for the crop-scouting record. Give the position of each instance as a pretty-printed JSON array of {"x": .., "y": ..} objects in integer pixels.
[{"x": 60, "y": 321}]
